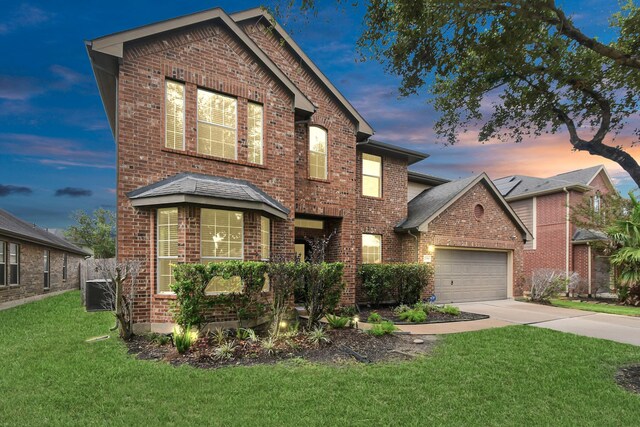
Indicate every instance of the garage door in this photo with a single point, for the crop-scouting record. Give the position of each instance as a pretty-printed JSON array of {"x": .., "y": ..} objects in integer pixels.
[{"x": 470, "y": 275}]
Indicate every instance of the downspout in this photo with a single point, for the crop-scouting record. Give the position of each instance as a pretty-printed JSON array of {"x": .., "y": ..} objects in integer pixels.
[
  {"x": 589, "y": 266},
  {"x": 417, "y": 246},
  {"x": 566, "y": 261}
]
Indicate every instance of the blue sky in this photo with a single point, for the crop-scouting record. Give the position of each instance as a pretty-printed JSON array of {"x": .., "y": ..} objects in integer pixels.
[{"x": 58, "y": 151}]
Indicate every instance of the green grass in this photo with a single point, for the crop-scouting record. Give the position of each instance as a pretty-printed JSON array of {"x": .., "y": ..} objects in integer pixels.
[
  {"x": 518, "y": 375},
  {"x": 598, "y": 308}
]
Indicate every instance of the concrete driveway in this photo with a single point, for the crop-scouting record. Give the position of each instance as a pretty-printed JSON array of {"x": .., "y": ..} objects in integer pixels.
[{"x": 624, "y": 329}]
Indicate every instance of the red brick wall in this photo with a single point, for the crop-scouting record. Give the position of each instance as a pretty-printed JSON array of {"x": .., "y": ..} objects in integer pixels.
[
  {"x": 551, "y": 242},
  {"x": 204, "y": 56},
  {"x": 458, "y": 227},
  {"x": 336, "y": 196},
  {"x": 32, "y": 271}
]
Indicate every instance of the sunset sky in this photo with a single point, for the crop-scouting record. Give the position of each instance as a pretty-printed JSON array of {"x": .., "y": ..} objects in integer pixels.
[{"x": 59, "y": 154}]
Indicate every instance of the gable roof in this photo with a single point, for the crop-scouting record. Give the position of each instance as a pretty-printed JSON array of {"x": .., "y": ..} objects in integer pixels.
[
  {"x": 13, "y": 226},
  {"x": 426, "y": 206},
  {"x": 522, "y": 186},
  {"x": 207, "y": 190},
  {"x": 105, "y": 52},
  {"x": 384, "y": 149},
  {"x": 364, "y": 129}
]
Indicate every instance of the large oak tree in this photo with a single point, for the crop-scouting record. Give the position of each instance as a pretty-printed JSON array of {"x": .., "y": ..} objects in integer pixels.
[{"x": 539, "y": 70}]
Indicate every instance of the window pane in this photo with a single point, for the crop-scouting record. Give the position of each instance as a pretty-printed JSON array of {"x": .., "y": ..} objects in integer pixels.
[
  {"x": 221, "y": 234},
  {"x": 371, "y": 248},
  {"x": 254, "y": 133},
  {"x": 222, "y": 285},
  {"x": 316, "y": 224},
  {"x": 370, "y": 186},
  {"x": 371, "y": 165},
  {"x": 174, "y": 115},
  {"x": 167, "y": 246},
  {"x": 265, "y": 239},
  {"x": 217, "y": 125},
  {"x": 317, "y": 152},
  {"x": 14, "y": 264}
]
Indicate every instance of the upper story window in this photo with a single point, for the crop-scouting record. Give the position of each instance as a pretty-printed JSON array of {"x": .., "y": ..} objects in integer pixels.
[
  {"x": 597, "y": 203},
  {"x": 217, "y": 125},
  {"x": 317, "y": 152},
  {"x": 167, "y": 247},
  {"x": 254, "y": 133},
  {"x": 371, "y": 175},
  {"x": 14, "y": 264},
  {"x": 371, "y": 249},
  {"x": 3, "y": 264},
  {"x": 174, "y": 115}
]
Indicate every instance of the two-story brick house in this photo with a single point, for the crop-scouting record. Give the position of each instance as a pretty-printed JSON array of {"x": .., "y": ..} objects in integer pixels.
[
  {"x": 544, "y": 205},
  {"x": 232, "y": 144}
]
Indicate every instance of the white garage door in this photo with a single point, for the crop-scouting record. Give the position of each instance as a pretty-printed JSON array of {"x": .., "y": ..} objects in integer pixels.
[{"x": 470, "y": 275}]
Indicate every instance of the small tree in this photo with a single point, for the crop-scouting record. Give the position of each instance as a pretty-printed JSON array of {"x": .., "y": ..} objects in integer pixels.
[
  {"x": 283, "y": 277},
  {"x": 547, "y": 283},
  {"x": 116, "y": 275},
  {"x": 96, "y": 231}
]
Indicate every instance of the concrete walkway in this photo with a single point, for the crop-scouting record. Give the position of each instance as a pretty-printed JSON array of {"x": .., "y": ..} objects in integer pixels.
[
  {"x": 11, "y": 304},
  {"x": 624, "y": 329}
]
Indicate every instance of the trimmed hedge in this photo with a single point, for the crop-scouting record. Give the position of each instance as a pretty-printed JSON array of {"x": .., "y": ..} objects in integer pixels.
[{"x": 402, "y": 283}]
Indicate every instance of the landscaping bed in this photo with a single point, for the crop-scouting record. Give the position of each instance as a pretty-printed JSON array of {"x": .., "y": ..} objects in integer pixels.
[
  {"x": 629, "y": 378},
  {"x": 389, "y": 313},
  {"x": 342, "y": 345}
]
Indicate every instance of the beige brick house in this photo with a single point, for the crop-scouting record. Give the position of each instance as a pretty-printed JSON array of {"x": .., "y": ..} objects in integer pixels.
[{"x": 232, "y": 144}]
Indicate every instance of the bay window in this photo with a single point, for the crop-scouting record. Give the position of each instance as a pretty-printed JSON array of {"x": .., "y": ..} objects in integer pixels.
[
  {"x": 221, "y": 238},
  {"x": 167, "y": 247}
]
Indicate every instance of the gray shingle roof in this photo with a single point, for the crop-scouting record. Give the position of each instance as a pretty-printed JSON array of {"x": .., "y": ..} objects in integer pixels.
[
  {"x": 521, "y": 185},
  {"x": 585, "y": 235},
  {"x": 430, "y": 201},
  {"x": 15, "y": 227},
  {"x": 209, "y": 187}
]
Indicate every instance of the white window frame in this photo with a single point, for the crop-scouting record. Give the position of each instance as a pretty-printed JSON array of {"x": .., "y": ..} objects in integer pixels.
[
  {"x": 17, "y": 246},
  {"x": 3, "y": 261},
  {"x": 326, "y": 153},
  {"x": 261, "y": 162},
  {"x": 234, "y": 128},
  {"x": 379, "y": 195},
  {"x": 184, "y": 113},
  {"x": 362, "y": 253},
  {"x": 158, "y": 256},
  {"x": 47, "y": 270},
  {"x": 65, "y": 267}
]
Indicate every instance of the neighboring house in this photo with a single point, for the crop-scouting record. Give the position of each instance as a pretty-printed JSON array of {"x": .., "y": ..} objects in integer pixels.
[
  {"x": 544, "y": 206},
  {"x": 34, "y": 261},
  {"x": 232, "y": 144},
  {"x": 60, "y": 232}
]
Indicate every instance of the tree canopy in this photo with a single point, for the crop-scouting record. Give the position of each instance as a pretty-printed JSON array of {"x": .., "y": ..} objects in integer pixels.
[
  {"x": 96, "y": 231},
  {"x": 514, "y": 69}
]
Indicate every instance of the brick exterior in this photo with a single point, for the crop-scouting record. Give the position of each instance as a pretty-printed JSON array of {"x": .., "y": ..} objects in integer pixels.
[
  {"x": 551, "y": 233},
  {"x": 208, "y": 56},
  {"x": 32, "y": 271},
  {"x": 457, "y": 227}
]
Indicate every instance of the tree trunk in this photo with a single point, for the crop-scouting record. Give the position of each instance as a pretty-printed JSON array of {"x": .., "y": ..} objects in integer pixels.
[{"x": 621, "y": 157}]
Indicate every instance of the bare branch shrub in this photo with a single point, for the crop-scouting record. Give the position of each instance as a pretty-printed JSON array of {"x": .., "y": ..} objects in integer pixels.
[
  {"x": 116, "y": 274},
  {"x": 547, "y": 283}
]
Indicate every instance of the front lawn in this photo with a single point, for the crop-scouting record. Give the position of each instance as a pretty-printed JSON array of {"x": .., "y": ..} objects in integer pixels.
[
  {"x": 510, "y": 376},
  {"x": 598, "y": 308}
]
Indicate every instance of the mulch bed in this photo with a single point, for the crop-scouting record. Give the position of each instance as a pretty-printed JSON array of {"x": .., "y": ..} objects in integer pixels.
[
  {"x": 345, "y": 345},
  {"x": 629, "y": 378},
  {"x": 433, "y": 317}
]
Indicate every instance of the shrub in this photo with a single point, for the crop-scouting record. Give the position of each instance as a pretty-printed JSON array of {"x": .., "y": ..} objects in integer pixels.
[
  {"x": 401, "y": 309},
  {"x": 283, "y": 277},
  {"x": 317, "y": 335},
  {"x": 184, "y": 339},
  {"x": 383, "y": 328},
  {"x": 189, "y": 287},
  {"x": 225, "y": 351},
  {"x": 399, "y": 282},
  {"x": 338, "y": 322},
  {"x": 320, "y": 287},
  {"x": 374, "y": 318},
  {"x": 413, "y": 316},
  {"x": 269, "y": 346},
  {"x": 219, "y": 335},
  {"x": 450, "y": 309},
  {"x": 348, "y": 311},
  {"x": 547, "y": 283}
]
